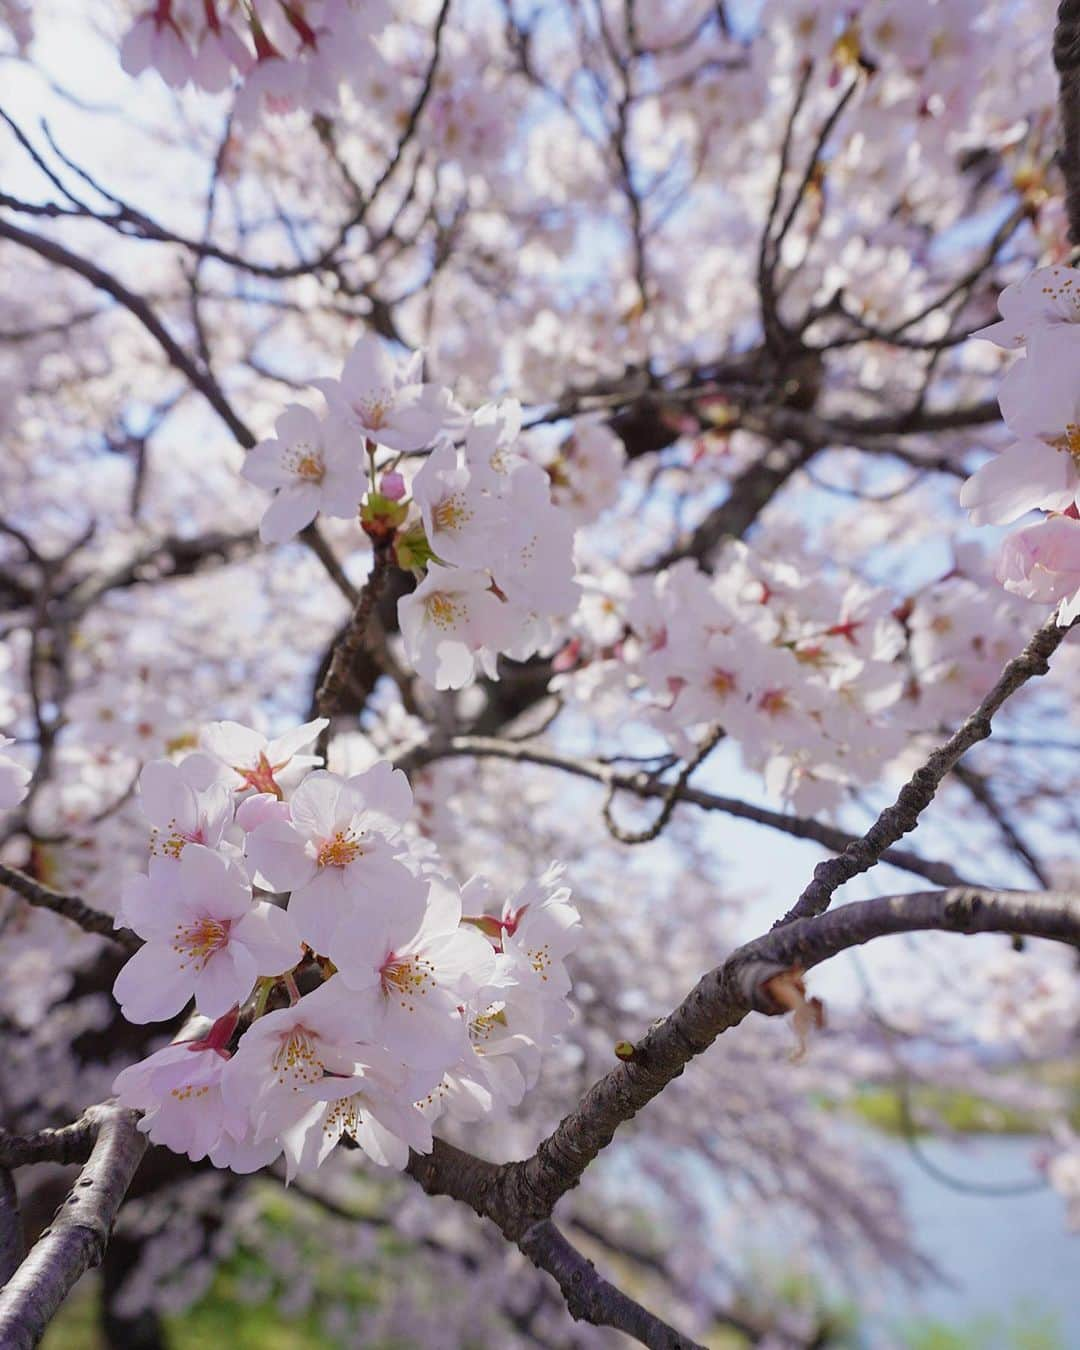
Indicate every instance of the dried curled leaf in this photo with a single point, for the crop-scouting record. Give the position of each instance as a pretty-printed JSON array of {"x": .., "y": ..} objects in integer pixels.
[{"x": 788, "y": 991}]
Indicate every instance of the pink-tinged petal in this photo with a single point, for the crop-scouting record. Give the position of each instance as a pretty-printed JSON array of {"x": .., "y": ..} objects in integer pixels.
[
  {"x": 260, "y": 809},
  {"x": 317, "y": 907},
  {"x": 212, "y": 884},
  {"x": 136, "y": 50},
  {"x": 154, "y": 985},
  {"x": 290, "y": 511},
  {"x": 145, "y": 909},
  {"x": 1028, "y": 475},
  {"x": 264, "y": 466},
  {"x": 464, "y": 959},
  {"x": 226, "y": 979},
  {"x": 232, "y": 743},
  {"x": 277, "y": 851},
  {"x": 386, "y": 789},
  {"x": 270, "y": 935},
  {"x": 166, "y": 800},
  {"x": 283, "y": 747},
  {"x": 298, "y": 424},
  {"x": 314, "y": 804}
]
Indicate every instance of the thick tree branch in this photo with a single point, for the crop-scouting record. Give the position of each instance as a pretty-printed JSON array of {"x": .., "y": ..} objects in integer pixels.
[
  {"x": 76, "y": 1239},
  {"x": 11, "y": 1234},
  {"x": 1067, "y": 61},
  {"x": 591, "y": 1298},
  {"x": 516, "y": 1195},
  {"x": 68, "y": 906}
]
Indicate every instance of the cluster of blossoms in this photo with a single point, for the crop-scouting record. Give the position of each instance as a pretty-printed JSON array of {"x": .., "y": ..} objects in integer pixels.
[
  {"x": 492, "y": 554},
  {"x": 1040, "y": 402},
  {"x": 821, "y": 684},
  {"x": 379, "y": 998},
  {"x": 290, "y": 54}
]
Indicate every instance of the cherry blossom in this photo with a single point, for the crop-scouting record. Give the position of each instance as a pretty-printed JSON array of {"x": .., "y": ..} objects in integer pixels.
[
  {"x": 310, "y": 468},
  {"x": 381, "y": 398},
  {"x": 1042, "y": 562},
  {"x": 180, "y": 808},
  {"x": 338, "y": 850},
  {"x": 205, "y": 937},
  {"x": 407, "y": 979},
  {"x": 465, "y": 526},
  {"x": 1046, "y": 299},
  {"x": 251, "y": 760},
  {"x": 452, "y": 623}
]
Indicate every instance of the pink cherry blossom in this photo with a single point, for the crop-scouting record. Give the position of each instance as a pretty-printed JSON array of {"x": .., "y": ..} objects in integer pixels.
[
  {"x": 310, "y": 468},
  {"x": 1042, "y": 563},
  {"x": 204, "y": 937}
]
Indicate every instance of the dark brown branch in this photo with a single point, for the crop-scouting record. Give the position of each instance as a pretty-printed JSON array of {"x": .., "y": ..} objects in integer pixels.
[
  {"x": 11, "y": 1233},
  {"x": 642, "y": 785},
  {"x": 76, "y": 1239},
  {"x": 515, "y": 1195},
  {"x": 591, "y": 1298},
  {"x": 68, "y": 906},
  {"x": 1067, "y": 61}
]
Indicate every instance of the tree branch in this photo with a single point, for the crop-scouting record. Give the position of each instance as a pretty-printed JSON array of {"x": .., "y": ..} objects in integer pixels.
[
  {"x": 76, "y": 1239},
  {"x": 591, "y": 1298},
  {"x": 68, "y": 906}
]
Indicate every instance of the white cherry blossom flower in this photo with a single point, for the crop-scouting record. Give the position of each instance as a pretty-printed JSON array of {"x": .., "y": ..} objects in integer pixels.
[
  {"x": 1042, "y": 563},
  {"x": 339, "y": 849},
  {"x": 1048, "y": 298},
  {"x": 280, "y": 1056},
  {"x": 1040, "y": 401},
  {"x": 178, "y": 1090},
  {"x": 452, "y": 623},
  {"x": 180, "y": 811},
  {"x": 380, "y": 397},
  {"x": 373, "y": 1105},
  {"x": 251, "y": 760},
  {"x": 464, "y": 525},
  {"x": 310, "y": 468},
  {"x": 407, "y": 980},
  {"x": 204, "y": 937}
]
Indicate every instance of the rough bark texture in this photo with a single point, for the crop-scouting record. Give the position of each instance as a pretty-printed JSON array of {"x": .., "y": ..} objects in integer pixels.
[
  {"x": 1067, "y": 61},
  {"x": 76, "y": 1239}
]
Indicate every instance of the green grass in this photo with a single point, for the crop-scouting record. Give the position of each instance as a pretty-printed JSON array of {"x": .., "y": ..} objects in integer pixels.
[{"x": 957, "y": 1109}]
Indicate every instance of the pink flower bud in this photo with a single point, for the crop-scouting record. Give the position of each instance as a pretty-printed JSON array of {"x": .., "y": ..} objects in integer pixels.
[{"x": 392, "y": 486}]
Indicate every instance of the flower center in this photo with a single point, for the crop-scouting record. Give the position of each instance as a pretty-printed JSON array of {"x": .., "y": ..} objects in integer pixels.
[
  {"x": 306, "y": 462},
  {"x": 452, "y": 513},
  {"x": 407, "y": 978},
  {"x": 343, "y": 1117},
  {"x": 199, "y": 941},
  {"x": 442, "y": 610},
  {"x": 372, "y": 411},
  {"x": 483, "y": 1025},
  {"x": 343, "y": 849},
  {"x": 722, "y": 683},
  {"x": 774, "y": 702},
  {"x": 297, "y": 1059},
  {"x": 540, "y": 960},
  {"x": 261, "y": 777},
  {"x": 1069, "y": 442},
  {"x": 175, "y": 839}
]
